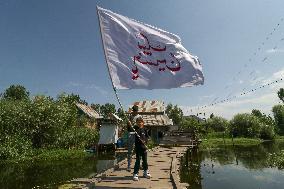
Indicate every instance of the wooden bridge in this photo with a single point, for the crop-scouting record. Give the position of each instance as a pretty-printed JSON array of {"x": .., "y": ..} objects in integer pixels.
[{"x": 163, "y": 163}]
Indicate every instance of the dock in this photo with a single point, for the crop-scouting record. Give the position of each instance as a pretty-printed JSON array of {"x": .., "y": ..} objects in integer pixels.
[{"x": 163, "y": 164}]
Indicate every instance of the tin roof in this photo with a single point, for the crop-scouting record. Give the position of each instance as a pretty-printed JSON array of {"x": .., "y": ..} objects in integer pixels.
[
  {"x": 89, "y": 111},
  {"x": 157, "y": 120},
  {"x": 148, "y": 106}
]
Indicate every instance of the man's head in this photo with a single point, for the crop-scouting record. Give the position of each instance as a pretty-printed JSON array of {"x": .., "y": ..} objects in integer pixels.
[
  {"x": 140, "y": 122},
  {"x": 135, "y": 109}
]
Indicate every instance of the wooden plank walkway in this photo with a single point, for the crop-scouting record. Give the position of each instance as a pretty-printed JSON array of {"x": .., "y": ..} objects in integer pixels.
[{"x": 163, "y": 166}]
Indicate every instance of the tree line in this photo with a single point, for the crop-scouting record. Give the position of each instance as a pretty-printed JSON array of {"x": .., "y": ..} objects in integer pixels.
[
  {"x": 42, "y": 122},
  {"x": 253, "y": 125},
  {"x": 28, "y": 124}
]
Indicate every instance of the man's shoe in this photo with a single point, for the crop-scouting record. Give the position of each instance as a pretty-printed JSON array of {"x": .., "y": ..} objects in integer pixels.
[
  {"x": 146, "y": 174},
  {"x": 135, "y": 177}
]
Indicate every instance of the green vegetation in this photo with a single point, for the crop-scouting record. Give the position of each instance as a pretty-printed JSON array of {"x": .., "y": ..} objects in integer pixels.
[
  {"x": 278, "y": 112},
  {"x": 217, "y": 124},
  {"x": 16, "y": 92},
  {"x": 249, "y": 125},
  {"x": 280, "y": 94},
  {"x": 151, "y": 144},
  {"x": 174, "y": 113},
  {"x": 279, "y": 138},
  {"x": 277, "y": 160},
  {"x": 105, "y": 109},
  {"x": 254, "y": 125},
  {"x": 49, "y": 155},
  {"x": 29, "y": 125},
  {"x": 214, "y": 142}
]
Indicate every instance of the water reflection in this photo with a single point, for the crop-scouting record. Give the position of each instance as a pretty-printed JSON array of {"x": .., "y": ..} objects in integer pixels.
[
  {"x": 51, "y": 174},
  {"x": 232, "y": 167}
]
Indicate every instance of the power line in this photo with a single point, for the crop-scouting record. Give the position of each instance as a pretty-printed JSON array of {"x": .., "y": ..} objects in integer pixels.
[{"x": 241, "y": 94}]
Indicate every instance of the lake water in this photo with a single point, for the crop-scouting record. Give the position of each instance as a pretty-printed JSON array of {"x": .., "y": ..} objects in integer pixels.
[
  {"x": 216, "y": 168},
  {"x": 234, "y": 167},
  {"x": 52, "y": 174}
]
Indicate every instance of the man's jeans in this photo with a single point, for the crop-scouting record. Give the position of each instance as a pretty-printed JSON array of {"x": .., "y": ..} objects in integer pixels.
[
  {"x": 141, "y": 153},
  {"x": 131, "y": 142}
]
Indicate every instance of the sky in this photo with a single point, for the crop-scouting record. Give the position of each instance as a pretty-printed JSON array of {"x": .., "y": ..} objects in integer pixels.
[{"x": 54, "y": 46}]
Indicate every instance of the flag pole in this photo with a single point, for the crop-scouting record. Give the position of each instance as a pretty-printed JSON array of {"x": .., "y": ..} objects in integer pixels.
[{"x": 114, "y": 89}]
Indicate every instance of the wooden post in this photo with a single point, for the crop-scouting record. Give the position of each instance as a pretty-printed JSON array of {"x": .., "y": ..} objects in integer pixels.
[{"x": 233, "y": 140}]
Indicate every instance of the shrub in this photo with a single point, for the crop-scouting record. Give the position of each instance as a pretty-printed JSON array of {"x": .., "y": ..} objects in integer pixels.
[
  {"x": 217, "y": 124},
  {"x": 15, "y": 118},
  {"x": 277, "y": 160},
  {"x": 267, "y": 132},
  {"x": 245, "y": 125},
  {"x": 50, "y": 119},
  {"x": 218, "y": 135},
  {"x": 278, "y": 113},
  {"x": 77, "y": 138},
  {"x": 41, "y": 123},
  {"x": 192, "y": 125},
  {"x": 13, "y": 147}
]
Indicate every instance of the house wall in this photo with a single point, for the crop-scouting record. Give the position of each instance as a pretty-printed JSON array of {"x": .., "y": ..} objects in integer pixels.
[{"x": 156, "y": 132}]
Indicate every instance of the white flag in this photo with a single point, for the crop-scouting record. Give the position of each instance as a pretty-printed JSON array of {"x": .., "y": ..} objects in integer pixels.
[{"x": 140, "y": 56}]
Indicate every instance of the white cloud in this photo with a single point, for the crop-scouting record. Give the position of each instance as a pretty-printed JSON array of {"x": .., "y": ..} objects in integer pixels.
[
  {"x": 206, "y": 97},
  {"x": 263, "y": 101},
  {"x": 256, "y": 81},
  {"x": 275, "y": 76},
  {"x": 275, "y": 51},
  {"x": 89, "y": 86}
]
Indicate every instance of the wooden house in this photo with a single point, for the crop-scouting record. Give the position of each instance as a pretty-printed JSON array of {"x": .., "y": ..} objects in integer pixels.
[
  {"x": 88, "y": 117},
  {"x": 154, "y": 116}
]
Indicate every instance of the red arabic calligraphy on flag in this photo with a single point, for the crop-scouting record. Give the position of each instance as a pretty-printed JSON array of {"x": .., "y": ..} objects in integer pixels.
[
  {"x": 142, "y": 56},
  {"x": 153, "y": 55}
]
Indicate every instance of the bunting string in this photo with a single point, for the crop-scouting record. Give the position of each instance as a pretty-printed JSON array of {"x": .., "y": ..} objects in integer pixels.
[
  {"x": 240, "y": 95},
  {"x": 251, "y": 75}
]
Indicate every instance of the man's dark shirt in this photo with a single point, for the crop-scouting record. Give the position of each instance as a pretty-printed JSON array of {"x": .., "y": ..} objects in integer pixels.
[{"x": 139, "y": 145}]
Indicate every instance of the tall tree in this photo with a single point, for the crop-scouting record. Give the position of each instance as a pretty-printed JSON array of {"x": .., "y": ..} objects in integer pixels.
[
  {"x": 96, "y": 107},
  {"x": 256, "y": 113},
  {"x": 120, "y": 113},
  {"x": 105, "y": 109},
  {"x": 16, "y": 92},
  {"x": 71, "y": 98},
  {"x": 278, "y": 113},
  {"x": 174, "y": 113},
  {"x": 281, "y": 94}
]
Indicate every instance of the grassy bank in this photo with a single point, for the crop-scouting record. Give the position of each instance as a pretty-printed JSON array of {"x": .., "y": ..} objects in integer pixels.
[
  {"x": 50, "y": 155},
  {"x": 213, "y": 142},
  {"x": 279, "y": 138}
]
